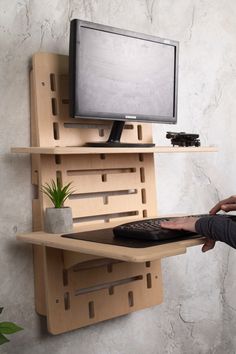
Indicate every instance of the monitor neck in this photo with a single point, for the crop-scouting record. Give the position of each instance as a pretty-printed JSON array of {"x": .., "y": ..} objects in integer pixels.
[
  {"x": 115, "y": 136},
  {"x": 116, "y": 131}
]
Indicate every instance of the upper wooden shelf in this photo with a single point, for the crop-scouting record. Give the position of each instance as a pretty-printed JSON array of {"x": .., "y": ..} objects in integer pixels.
[{"x": 91, "y": 150}]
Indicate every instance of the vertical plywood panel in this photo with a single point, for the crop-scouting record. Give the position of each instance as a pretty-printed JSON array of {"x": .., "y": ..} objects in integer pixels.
[
  {"x": 107, "y": 188},
  {"x": 82, "y": 296}
]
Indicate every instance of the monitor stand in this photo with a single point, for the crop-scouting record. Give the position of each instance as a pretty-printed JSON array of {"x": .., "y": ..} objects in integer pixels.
[{"x": 114, "y": 138}]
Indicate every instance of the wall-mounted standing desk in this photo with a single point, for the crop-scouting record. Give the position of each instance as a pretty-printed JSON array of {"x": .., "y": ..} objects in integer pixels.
[{"x": 79, "y": 282}]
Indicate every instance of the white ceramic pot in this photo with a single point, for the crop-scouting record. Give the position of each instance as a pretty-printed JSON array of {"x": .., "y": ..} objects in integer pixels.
[{"x": 58, "y": 220}]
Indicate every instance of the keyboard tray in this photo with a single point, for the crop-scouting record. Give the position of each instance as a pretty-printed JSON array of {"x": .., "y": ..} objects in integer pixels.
[{"x": 106, "y": 236}]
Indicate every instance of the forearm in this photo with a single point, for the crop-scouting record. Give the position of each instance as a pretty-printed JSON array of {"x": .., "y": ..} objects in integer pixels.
[{"x": 218, "y": 228}]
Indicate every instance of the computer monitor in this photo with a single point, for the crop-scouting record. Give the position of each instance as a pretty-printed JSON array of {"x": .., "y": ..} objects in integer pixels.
[{"x": 123, "y": 76}]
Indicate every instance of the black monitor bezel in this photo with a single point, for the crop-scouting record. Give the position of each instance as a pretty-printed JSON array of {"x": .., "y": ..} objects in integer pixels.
[{"x": 75, "y": 27}]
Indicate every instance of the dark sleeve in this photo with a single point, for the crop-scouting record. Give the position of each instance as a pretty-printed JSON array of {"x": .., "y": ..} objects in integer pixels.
[{"x": 218, "y": 228}]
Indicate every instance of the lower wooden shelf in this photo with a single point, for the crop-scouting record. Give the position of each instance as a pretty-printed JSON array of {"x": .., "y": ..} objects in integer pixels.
[{"x": 128, "y": 254}]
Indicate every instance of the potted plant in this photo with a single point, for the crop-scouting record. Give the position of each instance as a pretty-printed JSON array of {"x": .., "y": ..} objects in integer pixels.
[
  {"x": 7, "y": 328},
  {"x": 59, "y": 218}
]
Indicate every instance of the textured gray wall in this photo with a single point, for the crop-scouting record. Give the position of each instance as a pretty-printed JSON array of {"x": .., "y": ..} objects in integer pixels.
[{"x": 198, "y": 314}]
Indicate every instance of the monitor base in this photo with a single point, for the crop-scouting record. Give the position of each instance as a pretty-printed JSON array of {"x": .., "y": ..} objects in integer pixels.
[
  {"x": 109, "y": 144},
  {"x": 114, "y": 139}
]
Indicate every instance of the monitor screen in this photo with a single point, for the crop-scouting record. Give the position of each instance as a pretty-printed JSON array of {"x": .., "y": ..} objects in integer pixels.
[{"x": 122, "y": 75}]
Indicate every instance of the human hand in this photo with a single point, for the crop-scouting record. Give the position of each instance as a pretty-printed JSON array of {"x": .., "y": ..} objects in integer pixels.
[
  {"x": 228, "y": 204},
  {"x": 208, "y": 245},
  {"x": 185, "y": 223},
  {"x": 188, "y": 224}
]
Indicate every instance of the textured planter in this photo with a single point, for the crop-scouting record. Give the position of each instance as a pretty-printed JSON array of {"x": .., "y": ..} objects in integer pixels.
[{"x": 58, "y": 220}]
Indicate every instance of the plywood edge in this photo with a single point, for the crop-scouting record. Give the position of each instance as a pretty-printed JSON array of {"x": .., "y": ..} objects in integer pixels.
[
  {"x": 174, "y": 149},
  {"x": 40, "y": 300},
  {"x": 89, "y": 150}
]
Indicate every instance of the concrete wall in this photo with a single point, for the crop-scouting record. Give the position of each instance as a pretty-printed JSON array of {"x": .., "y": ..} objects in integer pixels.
[{"x": 198, "y": 314}]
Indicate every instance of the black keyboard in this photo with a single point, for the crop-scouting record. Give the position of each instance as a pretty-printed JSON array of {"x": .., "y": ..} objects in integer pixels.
[{"x": 150, "y": 229}]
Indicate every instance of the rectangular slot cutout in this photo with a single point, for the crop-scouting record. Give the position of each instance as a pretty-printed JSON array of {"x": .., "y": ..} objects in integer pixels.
[
  {"x": 105, "y": 194},
  {"x": 101, "y": 132},
  {"x": 105, "y": 217},
  {"x": 91, "y": 309},
  {"x": 53, "y": 82},
  {"x": 54, "y": 106},
  {"x": 144, "y": 199},
  {"x": 108, "y": 285},
  {"x": 67, "y": 301},
  {"x": 105, "y": 200},
  {"x": 129, "y": 126},
  {"x": 104, "y": 177},
  {"x": 140, "y": 132},
  {"x": 141, "y": 157},
  {"x": 56, "y": 131},
  {"x": 100, "y": 171},
  {"x": 142, "y": 175},
  {"x": 149, "y": 280},
  {"x": 131, "y": 298},
  {"x": 145, "y": 214},
  {"x": 59, "y": 177},
  {"x": 58, "y": 159}
]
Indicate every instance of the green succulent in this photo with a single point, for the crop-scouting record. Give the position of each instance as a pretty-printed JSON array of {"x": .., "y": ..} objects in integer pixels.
[
  {"x": 7, "y": 328},
  {"x": 57, "y": 193}
]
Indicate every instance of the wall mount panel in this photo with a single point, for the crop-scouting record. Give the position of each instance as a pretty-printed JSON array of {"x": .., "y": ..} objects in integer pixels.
[{"x": 71, "y": 290}]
